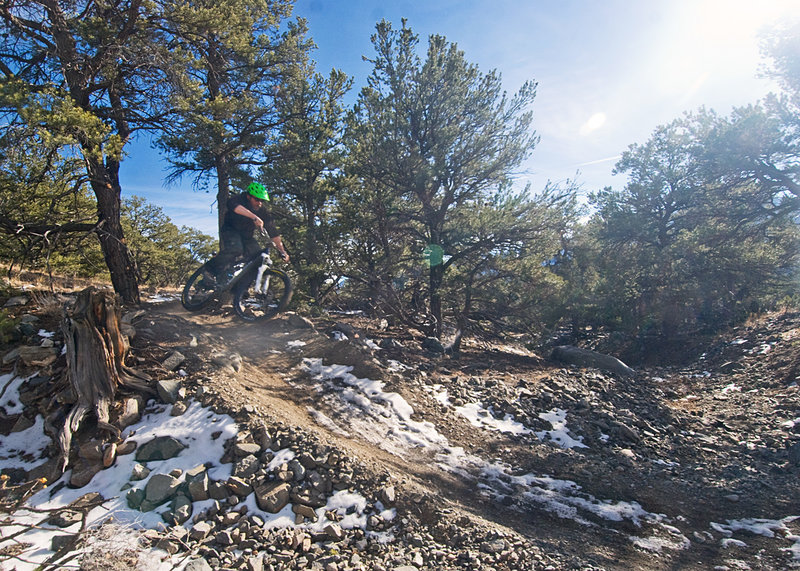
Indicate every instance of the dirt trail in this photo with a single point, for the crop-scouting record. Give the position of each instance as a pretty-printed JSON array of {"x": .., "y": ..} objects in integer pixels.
[{"x": 670, "y": 444}]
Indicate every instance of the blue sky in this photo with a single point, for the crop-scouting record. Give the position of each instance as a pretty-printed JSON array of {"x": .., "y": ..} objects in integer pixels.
[{"x": 608, "y": 72}]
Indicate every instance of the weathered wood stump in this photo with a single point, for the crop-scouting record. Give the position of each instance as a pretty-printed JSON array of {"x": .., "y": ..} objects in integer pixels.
[{"x": 95, "y": 351}]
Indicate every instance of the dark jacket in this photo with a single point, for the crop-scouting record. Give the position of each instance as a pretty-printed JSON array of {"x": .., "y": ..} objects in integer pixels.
[{"x": 242, "y": 224}]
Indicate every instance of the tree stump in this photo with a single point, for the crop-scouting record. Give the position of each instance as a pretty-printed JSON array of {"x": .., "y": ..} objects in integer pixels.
[{"x": 95, "y": 351}]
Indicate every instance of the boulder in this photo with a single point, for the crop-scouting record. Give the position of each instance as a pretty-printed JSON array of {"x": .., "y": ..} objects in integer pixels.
[
  {"x": 160, "y": 488},
  {"x": 586, "y": 358},
  {"x": 161, "y": 448},
  {"x": 272, "y": 497}
]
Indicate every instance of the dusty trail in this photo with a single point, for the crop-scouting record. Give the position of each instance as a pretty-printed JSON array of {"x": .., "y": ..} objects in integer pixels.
[
  {"x": 670, "y": 454},
  {"x": 273, "y": 381}
]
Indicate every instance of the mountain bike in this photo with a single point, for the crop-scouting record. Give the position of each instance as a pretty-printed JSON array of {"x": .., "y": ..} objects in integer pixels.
[{"x": 260, "y": 291}]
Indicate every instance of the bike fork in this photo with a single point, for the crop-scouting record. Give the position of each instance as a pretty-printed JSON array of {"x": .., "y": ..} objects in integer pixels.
[{"x": 262, "y": 279}]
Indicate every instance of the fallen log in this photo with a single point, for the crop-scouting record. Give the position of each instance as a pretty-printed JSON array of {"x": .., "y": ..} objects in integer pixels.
[
  {"x": 95, "y": 352},
  {"x": 572, "y": 355}
]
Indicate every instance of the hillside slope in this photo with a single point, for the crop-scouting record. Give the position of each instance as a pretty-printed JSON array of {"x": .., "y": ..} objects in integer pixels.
[{"x": 501, "y": 459}]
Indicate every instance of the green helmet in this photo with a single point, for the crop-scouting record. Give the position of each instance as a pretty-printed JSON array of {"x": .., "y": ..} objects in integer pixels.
[{"x": 258, "y": 190}]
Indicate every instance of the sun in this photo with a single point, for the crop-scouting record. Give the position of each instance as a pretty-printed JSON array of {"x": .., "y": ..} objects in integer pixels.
[
  {"x": 703, "y": 41},
  {"x": 593, "y": 124}
]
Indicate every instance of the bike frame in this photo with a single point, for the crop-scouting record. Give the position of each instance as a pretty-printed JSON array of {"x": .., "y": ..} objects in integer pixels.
[{"x": 264, "y": 262}]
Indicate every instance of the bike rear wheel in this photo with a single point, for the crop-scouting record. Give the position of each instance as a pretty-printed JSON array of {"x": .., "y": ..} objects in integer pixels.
[
  {"x": 254, "y": 302},
  {"x": 196, "y": 293}
]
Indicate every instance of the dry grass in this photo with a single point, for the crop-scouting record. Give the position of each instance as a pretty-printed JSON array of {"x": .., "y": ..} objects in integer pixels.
[
  {"x": 26, "y": 279},
  {"x": 48, "y": 304},
  {"x": 112, "y": 547}
]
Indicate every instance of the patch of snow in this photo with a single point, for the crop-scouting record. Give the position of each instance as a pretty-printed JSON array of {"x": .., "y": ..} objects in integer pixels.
[
  {"x": 559, "y": 434},
  {"x": 9, "y": 398},
  {"x": 484, "y": 418},
  {"x": 24, "y": 449}
]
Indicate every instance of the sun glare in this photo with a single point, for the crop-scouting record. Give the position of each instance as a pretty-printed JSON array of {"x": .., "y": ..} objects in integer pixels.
[
  {"x": 708, "y": 39},
  {"x": 593, "y": 124}
]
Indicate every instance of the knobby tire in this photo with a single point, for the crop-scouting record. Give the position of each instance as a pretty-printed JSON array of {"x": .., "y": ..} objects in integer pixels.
[
  {"x": 253, "y": 306},
  {"x": 194, "y": 297}
]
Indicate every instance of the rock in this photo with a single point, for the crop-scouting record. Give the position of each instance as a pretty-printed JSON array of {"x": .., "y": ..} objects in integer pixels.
[
  {"x": 11, "y": 356},
  {"x": 391, "y": 344},
  {"x": 232, "y": 362},
  {"x": 586, "y": 358},
  {"x": 160, "y": 487},
  {"x": 242, "y": 449},
  {"x": 433, "y": 345},
  {"x": 62, "y": 541},
  {"x": 200, "y": 530},
  {"x": 83, "y": 472},
  {"x": 306, "y": 512},
  {"x": 127, "y": 447},
  {"x": 198, "y": 565},
  {"x": 272, "y": 497},
  {"x": 170, "y": 390},
  {"x": 298, "y": 321},
  {"x": 246, "y": 467},
  {"x": 135, "y": 497},
  {"x": 109, "y": 454},
  {"x": 16, "y": 301},
  {"x": 173, "y": 361},
  {"x": 65, "y": 518},
  {"x": 22, "y": 424},
  {"x": 181, "y": 510},
  {"x": 160, "y": 448},
  {"x": 131, "y": 413},
  {"x": 794, "y": 453},
  {"x": 179, "y": 409},
  {"x": 387, "y": 496},
  {"x": 139, "y": 472},
  {"x": 626, "y": 432},
  {"x": 254, "y": 564},
  {"x": 334, "y": 531},
  {"x": 31, "y": 355},
  {"x": 197, "y": 483},
  {"x": 238, "y": 487}
]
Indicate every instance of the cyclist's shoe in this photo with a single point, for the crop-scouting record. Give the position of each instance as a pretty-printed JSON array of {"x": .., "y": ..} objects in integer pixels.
[{"x": 209, "y": 280}]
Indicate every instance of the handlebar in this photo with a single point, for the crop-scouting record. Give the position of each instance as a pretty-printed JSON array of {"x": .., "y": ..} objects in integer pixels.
[{"x": 284, "y": 255}]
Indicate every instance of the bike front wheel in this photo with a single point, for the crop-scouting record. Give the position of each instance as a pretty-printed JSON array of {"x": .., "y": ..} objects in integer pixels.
[
  {"x": 262, "y": 298},
  {"x": 196, "y": 293}
]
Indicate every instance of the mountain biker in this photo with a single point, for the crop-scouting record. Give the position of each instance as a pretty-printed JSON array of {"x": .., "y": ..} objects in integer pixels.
[{"x": 245, "y": 212}]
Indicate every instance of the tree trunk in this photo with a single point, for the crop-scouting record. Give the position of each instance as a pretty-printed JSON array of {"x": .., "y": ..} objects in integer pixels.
[
  {"x": 436, "y": 278},
  {"x": 105, "y": 184},
  {"x": 95, "y": 352},
  {"x": 223, "y": 189}
]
